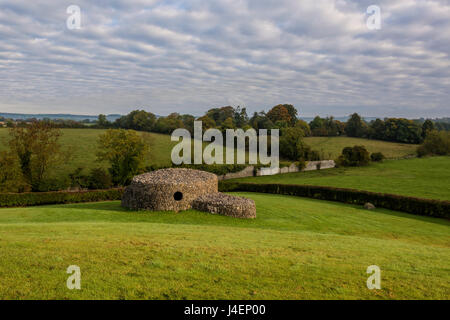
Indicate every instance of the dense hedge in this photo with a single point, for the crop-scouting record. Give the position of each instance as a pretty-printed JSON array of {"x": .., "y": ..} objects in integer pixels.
[
  {"x": 42, "y": 198},
  {"x": 418, "y": 206}
]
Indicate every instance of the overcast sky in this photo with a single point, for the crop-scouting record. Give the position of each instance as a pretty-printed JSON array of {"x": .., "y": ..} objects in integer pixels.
[{"x": 189, "y": 56}]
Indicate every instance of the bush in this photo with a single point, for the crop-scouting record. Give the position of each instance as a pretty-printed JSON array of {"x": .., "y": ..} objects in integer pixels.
[
  {"x": 436, "y": 143},
  {"x": 377, "y": 157},
  {"x": 78, "y": 179},
  {"x": 11, "y": 179},
  {"x": 354, "y": 157},
  {"x": 99, "y": 179},
  {"x": 59, "y": 197},
  {"x": 418, "y": 206}
]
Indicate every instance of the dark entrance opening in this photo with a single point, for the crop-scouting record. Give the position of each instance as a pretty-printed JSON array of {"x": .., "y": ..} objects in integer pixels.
[{"x": 178, "y": 196}]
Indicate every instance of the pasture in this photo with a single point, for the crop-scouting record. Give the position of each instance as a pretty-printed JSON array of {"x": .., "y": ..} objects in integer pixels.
[
  {"x": 417, "y": 177},
  {"x": 296, "y": 249}
]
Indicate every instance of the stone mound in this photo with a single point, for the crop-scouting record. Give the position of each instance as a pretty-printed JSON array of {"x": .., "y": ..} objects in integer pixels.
[
  {"x": 219, "y": 203},
  {"x": 168, "y": 189}
]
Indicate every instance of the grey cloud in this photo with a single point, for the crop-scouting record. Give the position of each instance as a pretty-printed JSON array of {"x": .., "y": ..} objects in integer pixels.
[{"x": 188, "y": 56}]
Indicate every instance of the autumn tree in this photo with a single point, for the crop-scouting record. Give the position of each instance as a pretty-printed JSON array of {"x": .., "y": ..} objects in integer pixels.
[{"x": 279, "y": 113}]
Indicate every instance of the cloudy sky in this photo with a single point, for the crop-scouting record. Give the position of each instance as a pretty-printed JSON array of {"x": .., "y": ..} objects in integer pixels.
[{"x": 188, "y": 56}]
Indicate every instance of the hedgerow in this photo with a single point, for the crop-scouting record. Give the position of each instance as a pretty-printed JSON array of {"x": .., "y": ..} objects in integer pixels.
[
  {"x": 417, "y": 206},
  {"x": 58, "y": 197}
]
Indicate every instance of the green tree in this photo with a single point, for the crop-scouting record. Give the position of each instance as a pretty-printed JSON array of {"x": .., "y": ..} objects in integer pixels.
[
  {"x": 261, "y": 121},
  {"x": 377, "y": 130},
  {"x": 228, "y": 124},
  {"x": 356, "y": 127},
  {"x": 125, "y": 151},
  {"x": 139, "y": 120},
  {"x": 241, "y": 117},
  {"x": 427, "y": 126},
  {"x": 436, "y": 143},
  {"x": 37, "y": 148},
  {"x": 304, "y": 126},
  {"x": 207, "y": 122},
  {"x": 188, "y": 122},
  {"x": 292, "y": 145},
  {"x": 102, "y": 122},
  {"x": 11, "y": 179},
  {"x": 168, "y": 124},
  {"x": 219, "y": 115}
]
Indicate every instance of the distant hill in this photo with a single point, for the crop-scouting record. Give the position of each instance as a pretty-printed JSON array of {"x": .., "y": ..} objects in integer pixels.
[{"x": 40, "y": 116}]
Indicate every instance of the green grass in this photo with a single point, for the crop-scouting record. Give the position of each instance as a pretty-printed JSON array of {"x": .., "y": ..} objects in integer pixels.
[
  {"x": 296, "y": 249},
  {"x": 331, "y": 147},
  {"x": 82, "y": 143},
  {"x": 423, "y": 178}
]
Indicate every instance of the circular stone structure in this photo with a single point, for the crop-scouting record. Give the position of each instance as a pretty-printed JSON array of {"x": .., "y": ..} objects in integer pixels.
[{"x": 168, "y": 189}]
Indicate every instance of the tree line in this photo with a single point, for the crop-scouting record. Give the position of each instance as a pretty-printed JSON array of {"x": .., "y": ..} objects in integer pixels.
[{"x": 281, "y": 117}]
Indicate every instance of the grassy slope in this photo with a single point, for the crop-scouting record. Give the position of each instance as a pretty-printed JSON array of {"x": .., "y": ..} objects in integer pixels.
[
  {"x": 425, "y": 178},
  {"x": 332, "y": 146},
  {"x": 296, "y": 249},
  {"x": 83, "y": 142}
]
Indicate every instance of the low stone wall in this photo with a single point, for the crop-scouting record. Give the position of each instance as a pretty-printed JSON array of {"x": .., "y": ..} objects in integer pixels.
[
  {"x": 247, "y": 172},
  {"x": 319, "y": 165},
  {"x": 251, "y": 172}
]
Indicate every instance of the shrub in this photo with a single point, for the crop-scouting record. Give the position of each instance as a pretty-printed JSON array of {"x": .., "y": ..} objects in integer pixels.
[
  {"x": 11, "y": 179},
  {"x": 78, "y": 179},
  {"x": 59, "y": 197},
  {"x": 436, "y": 143},
  {"x": 99, "y": 179},
  {"x": 354, "y": 157},
  {"x": 418, "y": 206},
  {"x": 377, "y": 157}
]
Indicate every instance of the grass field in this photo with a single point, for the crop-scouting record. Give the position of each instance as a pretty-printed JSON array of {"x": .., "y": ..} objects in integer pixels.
[
  {"x": 332, "y": 147},
  {"x": 418, "y": 177},
  {"x": 82, "y": 144},
  {"x": 296, "y": 249}
]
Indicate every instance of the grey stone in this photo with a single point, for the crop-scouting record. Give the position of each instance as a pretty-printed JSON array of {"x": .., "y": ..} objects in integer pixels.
[{"x": 369, "y": 206}]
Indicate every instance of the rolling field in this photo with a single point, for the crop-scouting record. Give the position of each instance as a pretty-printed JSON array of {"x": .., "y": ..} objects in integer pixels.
[
  {"x": 82, "y": 144},
  {"x": 332, "y": 146},
  {"x": 296, "y": 249},
  {"x": 418, "y": 177}
]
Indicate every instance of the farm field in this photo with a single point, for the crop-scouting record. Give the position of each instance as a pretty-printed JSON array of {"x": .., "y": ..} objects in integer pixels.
[
  {"x": 332, "y": 147},
  {"x": 417, "y": 177},
  {"x": 297, "y": 248},
  {"x": 82, "y": 144}
]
